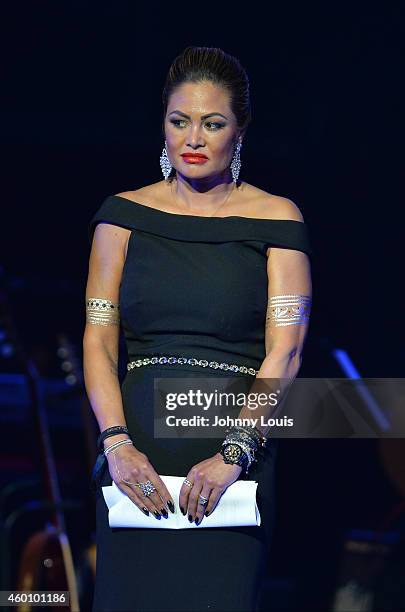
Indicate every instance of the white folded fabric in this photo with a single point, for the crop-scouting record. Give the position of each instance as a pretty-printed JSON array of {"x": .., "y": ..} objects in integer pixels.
[{"x": 236, "y": 508}]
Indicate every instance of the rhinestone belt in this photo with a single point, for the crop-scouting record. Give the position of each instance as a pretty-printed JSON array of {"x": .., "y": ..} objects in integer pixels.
[{"x": 191, "y": 361}]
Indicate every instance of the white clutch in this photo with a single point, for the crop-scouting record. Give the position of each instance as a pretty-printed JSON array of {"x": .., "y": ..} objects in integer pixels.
[{"x": 236, "y": 508}]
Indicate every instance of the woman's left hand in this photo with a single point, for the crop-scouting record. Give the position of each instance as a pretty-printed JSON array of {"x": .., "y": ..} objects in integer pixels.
[{"x": 210, "y": 478}]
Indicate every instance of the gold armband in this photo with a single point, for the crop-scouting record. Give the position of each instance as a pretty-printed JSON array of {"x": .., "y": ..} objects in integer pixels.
[
  {"x": 289, "y": 309},
  {"x": 102, "y": 312}
]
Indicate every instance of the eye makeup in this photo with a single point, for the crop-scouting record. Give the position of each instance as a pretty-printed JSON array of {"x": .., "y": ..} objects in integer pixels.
[{"x": 218, "y": 125}]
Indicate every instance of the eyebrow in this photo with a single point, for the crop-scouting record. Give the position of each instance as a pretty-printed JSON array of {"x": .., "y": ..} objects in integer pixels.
[{"x": 202, "y": 116}]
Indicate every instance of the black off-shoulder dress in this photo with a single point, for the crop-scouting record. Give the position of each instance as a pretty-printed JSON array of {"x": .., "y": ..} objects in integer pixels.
[{"x": 194, "y": 287}]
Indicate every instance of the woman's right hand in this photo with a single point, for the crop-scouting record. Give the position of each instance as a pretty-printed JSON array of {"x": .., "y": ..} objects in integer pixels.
[{"x": 128, "y": 467}]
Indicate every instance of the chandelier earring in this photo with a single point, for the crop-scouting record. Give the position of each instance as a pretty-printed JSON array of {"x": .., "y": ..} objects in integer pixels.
[
  {"x": 165, "y": 163},
  {"x": 236, "y": 163}
]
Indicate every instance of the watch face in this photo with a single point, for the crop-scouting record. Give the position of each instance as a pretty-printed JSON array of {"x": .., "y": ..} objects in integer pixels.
[{"x": 232, "y": 452}]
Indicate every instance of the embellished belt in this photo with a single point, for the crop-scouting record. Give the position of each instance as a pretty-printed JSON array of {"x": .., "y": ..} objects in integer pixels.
[{"x": 193, "y": 362}]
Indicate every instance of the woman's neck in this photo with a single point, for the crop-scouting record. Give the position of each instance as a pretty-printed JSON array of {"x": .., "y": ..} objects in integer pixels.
[{"x": 201, "y": 196}]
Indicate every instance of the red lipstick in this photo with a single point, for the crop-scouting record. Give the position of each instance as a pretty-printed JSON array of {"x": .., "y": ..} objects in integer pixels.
[{"x": 194, "y": 158}]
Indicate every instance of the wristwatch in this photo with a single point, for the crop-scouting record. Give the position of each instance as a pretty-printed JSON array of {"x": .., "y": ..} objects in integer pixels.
[{"x": 233, "y": 453}]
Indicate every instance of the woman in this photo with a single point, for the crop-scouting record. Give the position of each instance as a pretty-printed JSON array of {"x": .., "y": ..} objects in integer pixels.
[{"x": 214, "y": 272}]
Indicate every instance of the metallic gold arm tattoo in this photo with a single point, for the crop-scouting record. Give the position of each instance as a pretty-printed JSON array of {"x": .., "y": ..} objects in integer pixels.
[
  {"x": 102, "y": 312},
  {"x": 288, "y": 310}
]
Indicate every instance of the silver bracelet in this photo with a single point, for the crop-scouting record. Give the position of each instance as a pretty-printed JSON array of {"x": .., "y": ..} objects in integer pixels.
[
  {"x": 259, "y": 438},
  {"x": 116, "y": 445},
  {"x": 243, "y": 437}
]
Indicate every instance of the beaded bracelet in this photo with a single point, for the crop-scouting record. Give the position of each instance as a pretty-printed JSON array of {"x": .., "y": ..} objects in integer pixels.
[
  {"x": 255, "y": 440},
  {"x": 243, "y": 437},
  {"x": 251, "y": 432},
  {"x": 243, "y": 442},
  {"x": 107, "y": 433}
]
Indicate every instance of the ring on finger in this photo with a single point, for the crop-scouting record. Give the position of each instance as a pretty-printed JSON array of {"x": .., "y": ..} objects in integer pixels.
[
  {"x": 187, "y": 482},
  {"x": 202, "y": 500},
  {"x": 147, "y": 488}
]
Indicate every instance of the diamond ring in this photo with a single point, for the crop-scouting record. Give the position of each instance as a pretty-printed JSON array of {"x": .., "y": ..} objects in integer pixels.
[
  {"x": 147, "y": 488},
  {"x": 203, "y": 500}
]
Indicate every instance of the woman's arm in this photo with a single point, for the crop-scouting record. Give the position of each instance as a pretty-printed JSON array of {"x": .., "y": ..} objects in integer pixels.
[
  {"x": 128, "y": 466},
  {"x": 287, "y": 321},
  {"x": 100, "y": 342}
]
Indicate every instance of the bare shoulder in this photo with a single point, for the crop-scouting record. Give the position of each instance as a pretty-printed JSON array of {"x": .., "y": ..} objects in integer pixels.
[
  {"x": 250, "y": 202},
  {"x": 279, "y": 207},
  {"x": 144, "y": 195},
  {"x": 265, "y": 205}
]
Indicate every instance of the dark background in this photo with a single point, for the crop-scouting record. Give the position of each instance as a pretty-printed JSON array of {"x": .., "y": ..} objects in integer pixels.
[{"x": 81, "y": 119}]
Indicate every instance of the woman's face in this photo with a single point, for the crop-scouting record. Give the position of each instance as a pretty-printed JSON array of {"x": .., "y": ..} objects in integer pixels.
[{"x": 199, "y": 120}]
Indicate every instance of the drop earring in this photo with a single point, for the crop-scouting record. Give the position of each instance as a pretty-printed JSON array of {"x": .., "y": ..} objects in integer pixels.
[
  {"x": 236, "y": 163},
  {"x": 165, "y": 163}
]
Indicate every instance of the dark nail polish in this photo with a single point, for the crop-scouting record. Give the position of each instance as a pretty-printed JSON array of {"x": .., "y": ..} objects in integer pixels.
[
  {"x": 197, "y": 520},
  {"x": 207, "y": 513},
  {"x": 190, "y": 518},
  {"x": 182, "y": 510},
  {"x": 156, "y": 513},
  {"x": 145, "y": 511},
  {"x": 164, "y": 512},
  {"x": 171, "y": 506}
]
